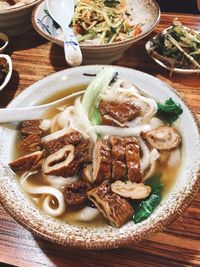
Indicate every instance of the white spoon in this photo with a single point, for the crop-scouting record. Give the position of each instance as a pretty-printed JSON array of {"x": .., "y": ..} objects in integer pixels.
[
  {"x": 62, "y": 12},
  {"x": 31, "y": 113}
]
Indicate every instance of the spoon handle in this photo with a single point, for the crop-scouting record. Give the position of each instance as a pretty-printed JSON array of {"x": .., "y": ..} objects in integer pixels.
[
  {"x": 72, "y": 49},
  {"x": 32, "y": 113}
]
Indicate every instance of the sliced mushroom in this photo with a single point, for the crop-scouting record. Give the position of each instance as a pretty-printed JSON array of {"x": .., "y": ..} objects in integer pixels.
[
  {"x": 31, "y": 143},
  {"x": 60, "y": 162},
  {"x": 75, "y": 194},
  {"x": 118, "y": 152},
  {"x": 163, "y": 138},
  {"x": 101, "y": 161},
  {"x": 130, "y": 189},
  {"x": 29, "y": 162},
  {"x": 58, "y": 141},
  {"x": 87, "y": 173},
  {"x": 68, "y": 160},
  {"x": 109, "y": 120},
  {"x": 134, "y": 172},
  {"x": 121, "y": 111},
  {"x": 30, "y": 127},
  {"x": 116, "y": 209}
]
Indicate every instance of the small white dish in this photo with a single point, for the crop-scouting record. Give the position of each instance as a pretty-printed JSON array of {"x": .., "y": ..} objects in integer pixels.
[
  {"x": 151, "y": 53},
  {"x": 5, "y": 41},
  {"x": 8, "y": 76}
]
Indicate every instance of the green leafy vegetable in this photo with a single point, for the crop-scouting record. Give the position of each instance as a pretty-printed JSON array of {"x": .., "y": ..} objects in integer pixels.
[
  {"x": 147, "y": 206},
  {"x": 111, "y": 3},
  {"x": 96, "y": 116},
  {"x": 96, "y": 86},
  {"x": 178, "y": 46},
  {"x": 169, "y": 111}
]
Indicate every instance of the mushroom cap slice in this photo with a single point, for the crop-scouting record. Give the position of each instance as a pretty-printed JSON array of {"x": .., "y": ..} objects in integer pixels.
[
  {"x": 131, "y": 190},
  {"x": 163, "y": 138},
  {"x": 30, "y": 162}
]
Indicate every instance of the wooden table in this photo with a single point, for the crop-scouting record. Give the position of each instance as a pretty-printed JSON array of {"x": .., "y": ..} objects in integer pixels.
[{"x": 179, "y": 245}]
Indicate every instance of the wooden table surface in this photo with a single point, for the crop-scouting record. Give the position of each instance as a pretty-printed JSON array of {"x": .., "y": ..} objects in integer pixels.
[{"x": 179, "y": 245}]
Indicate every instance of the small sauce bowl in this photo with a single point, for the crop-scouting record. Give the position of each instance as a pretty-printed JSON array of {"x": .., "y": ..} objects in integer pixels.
[
  {"x": 9, "y": 73},
  {"x": 3, "y": 42}
]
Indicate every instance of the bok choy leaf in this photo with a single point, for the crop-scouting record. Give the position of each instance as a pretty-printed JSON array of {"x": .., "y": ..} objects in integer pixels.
[
  {"x": 148, "y": 205},
  {"x": 96, "y": 86}
]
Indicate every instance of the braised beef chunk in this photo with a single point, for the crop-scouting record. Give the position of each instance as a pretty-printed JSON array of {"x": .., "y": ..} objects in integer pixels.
[
  {"x": 118, "y": 153},
  {"x": 68, "y": 160},
  {"x": 122, "y": 112},
  {"x": 71, "y": 138},
  {"x": 75, "y": 194},
  {"x": 30, "y": 162},
  {"x": 30, "y": 134},
  {"x": 101, "y": 161},
  {"x": 86, "y": 173},
  {"x": 30, "y": 127},
  {"x": 134, "y": 172},
  {"x": 116, "y": 209},
  {"x": 108, "y": 120},
  {"x": 31, "y": 143},
  {"x": 83, "y": 152}
]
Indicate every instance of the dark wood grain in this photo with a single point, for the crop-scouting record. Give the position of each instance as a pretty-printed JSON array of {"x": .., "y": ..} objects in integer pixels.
[{"x": 179, "y": 245}]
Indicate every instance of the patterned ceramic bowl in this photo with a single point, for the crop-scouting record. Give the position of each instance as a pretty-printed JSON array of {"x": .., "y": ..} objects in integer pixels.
[
  {"x": 146, "y": 12},
  {"x": 173, "y": 204},
  {"x": 16, "y": 20}
]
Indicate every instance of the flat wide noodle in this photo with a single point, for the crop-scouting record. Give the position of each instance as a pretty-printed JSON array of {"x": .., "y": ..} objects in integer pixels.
[{"x": 44, "y": 190}]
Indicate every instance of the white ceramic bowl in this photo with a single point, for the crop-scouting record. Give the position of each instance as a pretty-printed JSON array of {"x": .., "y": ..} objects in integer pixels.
[
  {"x": 5, "y": 39},
  {"x": 173, "y": 204},
  {"x": 146, "y": 12},
  {"x": 17, "y": 20},
  {"x": 8, "y": 76}
]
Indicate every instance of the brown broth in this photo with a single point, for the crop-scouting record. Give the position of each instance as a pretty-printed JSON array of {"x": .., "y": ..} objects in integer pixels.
[{"x": 54, "y": 110}]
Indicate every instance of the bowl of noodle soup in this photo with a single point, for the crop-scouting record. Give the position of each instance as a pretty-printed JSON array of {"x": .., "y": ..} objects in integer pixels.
[{"x": 41, "y": 203}]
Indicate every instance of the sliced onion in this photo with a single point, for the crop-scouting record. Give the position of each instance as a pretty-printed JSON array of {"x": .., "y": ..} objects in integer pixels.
[
  {"x": 58, "y": 181},
  {"x": 45, "y": 125},
  {"x": 155, "y": 123},
  {"x": 86, "y": 214},
  {"x": 111, "y": 130},
  {"x": 146, "y": 159}
]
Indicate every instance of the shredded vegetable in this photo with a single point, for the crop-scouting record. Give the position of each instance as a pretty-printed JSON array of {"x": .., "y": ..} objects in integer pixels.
[
  {"x": 103, "y": 21},
  {"x": 178, "y": 46}
]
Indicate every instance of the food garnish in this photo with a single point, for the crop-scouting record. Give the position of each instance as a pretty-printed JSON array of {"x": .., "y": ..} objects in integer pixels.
[
  {"x": 169, "y": 111},
  {"x": 104, "y": 21},
  {"x": 147, "y": 206},
  {"x": 178, "y": 47}
]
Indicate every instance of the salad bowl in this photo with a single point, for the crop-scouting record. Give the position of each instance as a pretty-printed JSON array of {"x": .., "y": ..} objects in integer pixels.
[
  {"x": 177, "y": 199},
  {"x": 145, "y": 13}
]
